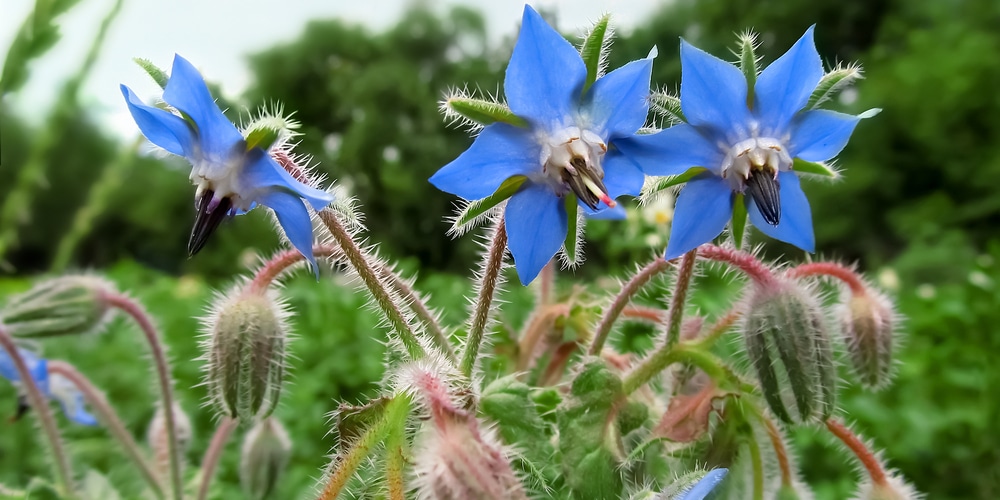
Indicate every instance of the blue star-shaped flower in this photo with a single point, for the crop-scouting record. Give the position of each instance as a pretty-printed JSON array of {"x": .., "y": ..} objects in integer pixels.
[
  {"x": 53, "y": 386},
  {"x": 745, "y": 149},
  {"x": 566, "y": 147},
  {"x": 231, "y": 177}
]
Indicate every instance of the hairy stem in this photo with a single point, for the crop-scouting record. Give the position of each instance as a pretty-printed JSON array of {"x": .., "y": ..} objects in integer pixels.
[
  {"x": 158, "y": 352},
  {"x": 853, "y": 443},
  {"x": 346, "y": 463},
  {"x": 541, "y": 321},
  {"x": 779, "y": 448},
  {"x": 833, "y": 270},
  {"x": 395, "y": 460},
  {"x": 64, "y": 474},
  {"x": 679, "y": 298},
  {"x": 753, "y": 268},
  {"x": 546, "y": 283},
  {"x": 213, "y": 453},
  {"x": 97, "y": 400},
  {"x": 666, "y": 356},
  {"x": 623, "y": 298},
  {"x": 360, "y": 263},
  {"x": 650, "y": 314},
  {"x": 484, "y": 301},
  {"x": 757, "y": 463},
  {"x": 721, "y": 326}
]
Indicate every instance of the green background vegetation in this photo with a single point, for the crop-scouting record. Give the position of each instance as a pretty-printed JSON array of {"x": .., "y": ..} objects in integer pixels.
[{"x": 919, "y": 201}]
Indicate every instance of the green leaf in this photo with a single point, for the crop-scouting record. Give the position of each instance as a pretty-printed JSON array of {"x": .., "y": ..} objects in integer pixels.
[
  {"x": 483, "y": 112},
  {"x": 661, "y": 183},
  {"x": 594, "y": 50},
  {"x": 97, "y": 487},
  {"x": 815, "y": 168},
  {"x": 571, "y": 245},
  {"x": 158, "y": 75},
  {"x": 471, "y": 213},
  {"x": 508, "y": 402},
  {"x": 589, "y": 437},
  {"x": 262, "y": 137},
  {"x": 739, "y": 223},
  {"x": 667, "y": 106}
]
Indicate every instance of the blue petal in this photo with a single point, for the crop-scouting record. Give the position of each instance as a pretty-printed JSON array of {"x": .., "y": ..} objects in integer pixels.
[
  {"x": 713, "y": 93},
  {"x": 819, "y": 135},
  {"x": 795, "y": 226},
  {"x": 622, "y": 175},
  {"x": 536, "y": 227},
  {"x": 71, "y": 400},
  {"x": 164, "y": 129},
  {"x": 703, "y": 208},
  {"x": 500, "y": 151},
  {"x": 619, "y": 101},
  {"x": 671, "y": 151},
  {"x": 294, "y": 218},
  {"x": 617, "y": 213},
  {"x": 784, "y": 87},
  {"x": 186, "y": 91},
  {"x": 264, "y": 174},
  {"x": 706, "y": 485},
  {"x": 545, "y": 76},
  {"x": 38, "y": 367}
]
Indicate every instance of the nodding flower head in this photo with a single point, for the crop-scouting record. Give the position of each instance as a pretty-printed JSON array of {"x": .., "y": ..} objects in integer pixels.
[
  {"x": 744, "y": 130},
  {"x": 54, "y": 386},
  {"x": 233, "y": 173},
  {"x": 564, "y": 148}
]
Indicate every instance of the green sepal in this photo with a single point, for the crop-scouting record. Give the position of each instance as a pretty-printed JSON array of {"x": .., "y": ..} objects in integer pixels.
[
  {"x": 661, "y": 183},
  {"x": 353, "y": 421},
  {"x": 739, "y": 222},
  {"x": 815, "y": 168},
  {"x": 484, "y": 112},
  {"x": 749, "y": 64},
  {"x": 97, "y": 486},
  {"x": 592, "y": 51},
  {"x": 158, "y": 75},
  {"x": 477, "y": 208},
  {"x": 40, "y": 489},
  {"x": 667, "y": 105},
  {"x": 832, "y": 83},
  {"x": 261, "y": 138},
  {"x": 589, "y": 438},
  {"x": 572, "y": 228}
]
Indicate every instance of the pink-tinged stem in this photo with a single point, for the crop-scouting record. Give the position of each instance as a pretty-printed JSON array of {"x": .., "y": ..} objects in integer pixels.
[
  {"x": 158, "y": 352},
  {"x": 853, "y": 443},
  {"x": 679, "y": 298},
  {"x": 213, "y": 453},
  {"x": 833, "y": 270},
  {"x": 743, "y": 261},
  {"x": 97, "y": 400},
  {"x": 623, "y": 298},
  {"x": 64, "y": 474},
  {"x": 541, "y": 321},
  {"x": 484, "y": 300}
]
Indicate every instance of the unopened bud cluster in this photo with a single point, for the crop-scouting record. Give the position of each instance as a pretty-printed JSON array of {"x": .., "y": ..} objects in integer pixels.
[
  {"x": 245, "y": 344},
  {"x": 66, "y": 305}
]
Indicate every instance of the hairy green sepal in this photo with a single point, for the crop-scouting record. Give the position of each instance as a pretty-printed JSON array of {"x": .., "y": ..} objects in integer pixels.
[
  {"x": 261, "y": 138},
  {"x": 661, "y": 183},
  {"x": 484, "y": 112},
  {"x": 477, "y": 208},
  {"x": 815, "y": 168},
  {"x": 158, "y": 75},
  {"x": 593, "y": 50}
]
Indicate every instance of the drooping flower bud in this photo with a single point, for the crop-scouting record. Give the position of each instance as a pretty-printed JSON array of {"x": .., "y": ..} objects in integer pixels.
[
  {"x": 867, "y": 321},
  {"x": 790, "y": 350},
  {"x": 893, "y": 488},
  {"x": 266, "y": 450},
  {"x": 159, "y": 441},
  {"x": 245, "y": 350},
  {"x": 60, "y": 306}
]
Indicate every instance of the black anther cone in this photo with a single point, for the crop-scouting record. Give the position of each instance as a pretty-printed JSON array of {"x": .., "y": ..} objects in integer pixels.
[
  {"x": 206, "y": 221},
  {"x": 763, "y": 189}
]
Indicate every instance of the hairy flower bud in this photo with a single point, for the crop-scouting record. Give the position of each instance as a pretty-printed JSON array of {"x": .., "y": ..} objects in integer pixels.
[
  {"x": 246, "y": 355},
  {"x": 790, "y": 350},
  {"x": 894, "y": 487},
  {"x": 159, "y": 441},
  {"x": 266, "y": 450},
  {"x": 60, "y": 306},
  {"x": 867, "y": 321}
]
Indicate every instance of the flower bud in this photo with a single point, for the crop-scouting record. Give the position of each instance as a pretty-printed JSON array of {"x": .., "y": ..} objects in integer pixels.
[
  {"x": 867, "y": 321},
  {"x": 266, "y": 450},
  {"x": 246, "y": 355},
  {"x": 159, "y": 441},
  {"x": 60, "y": 306},
  {"x": 790, "y": 350},
  {"x": 893, "y": 487}
]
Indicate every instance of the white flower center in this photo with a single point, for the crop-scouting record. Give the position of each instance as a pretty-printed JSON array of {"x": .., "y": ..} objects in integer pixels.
[
  {"x": 763, "y": 154},
  {"x": 222, "y": 177},
  {"x": 571, "y": 161}
]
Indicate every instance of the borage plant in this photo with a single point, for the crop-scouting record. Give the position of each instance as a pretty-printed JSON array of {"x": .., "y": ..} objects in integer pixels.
[{"x": 565, "y": 414}]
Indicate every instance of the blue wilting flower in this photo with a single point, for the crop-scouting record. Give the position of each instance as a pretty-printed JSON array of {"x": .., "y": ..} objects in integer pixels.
[
  {"x": 706, "y": 485},
  {"x": 746, "y": 139},
  {"x": 232, "y": 174},
  {"x": 566, "y": 147},
  {"x": 53, "y": 386}
]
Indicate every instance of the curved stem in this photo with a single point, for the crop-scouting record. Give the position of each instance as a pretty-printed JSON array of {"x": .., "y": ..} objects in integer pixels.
[
  {"x": 97, "y": 400},
  {"x": 666, "y": 356},
  {"x": 64, "y": 474},
  {"x": 720, "y": 327},
  {"x": 546, "y": 283},
  {"x": 833, "y": 270},
  {"x": 395, "y": 460},
  {"x": 743, "y": 261},
  {"x": 156, "y": 349},
  {"x": 679, "y": 299},
  {"x": 212, "y": 454},
  {"x": 490, "y": 278},
  {"x": 650, "y": 314},
  {"x": 779, "y": 447},
  {"x": 360, "y": 263},
  {"x": 621, "y": 300},
  {"x": 853, "y": 443},
  {"x": 758, "y": 469},
  {"x": 541, "y": 321}
]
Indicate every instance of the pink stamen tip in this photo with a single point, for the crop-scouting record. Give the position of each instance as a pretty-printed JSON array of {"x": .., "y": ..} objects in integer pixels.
[{"x": 608, "y": 201}]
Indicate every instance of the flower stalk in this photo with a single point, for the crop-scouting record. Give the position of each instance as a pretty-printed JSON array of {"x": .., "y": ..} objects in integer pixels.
[
  {"x": 623, "y": 298},
  {"x": 679, "y": 298},
  {"x": 490, "y": 279},
  {"x": 868, "y": 459},
  {"x": 213, "y": 453}
]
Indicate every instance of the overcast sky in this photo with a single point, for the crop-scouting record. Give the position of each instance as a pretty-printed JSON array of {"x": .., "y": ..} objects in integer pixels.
[{"x": 216, "y": 35}]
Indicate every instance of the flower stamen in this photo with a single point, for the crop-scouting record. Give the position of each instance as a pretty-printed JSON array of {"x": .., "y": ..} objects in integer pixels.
[{"x": 211, "y": 212}]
